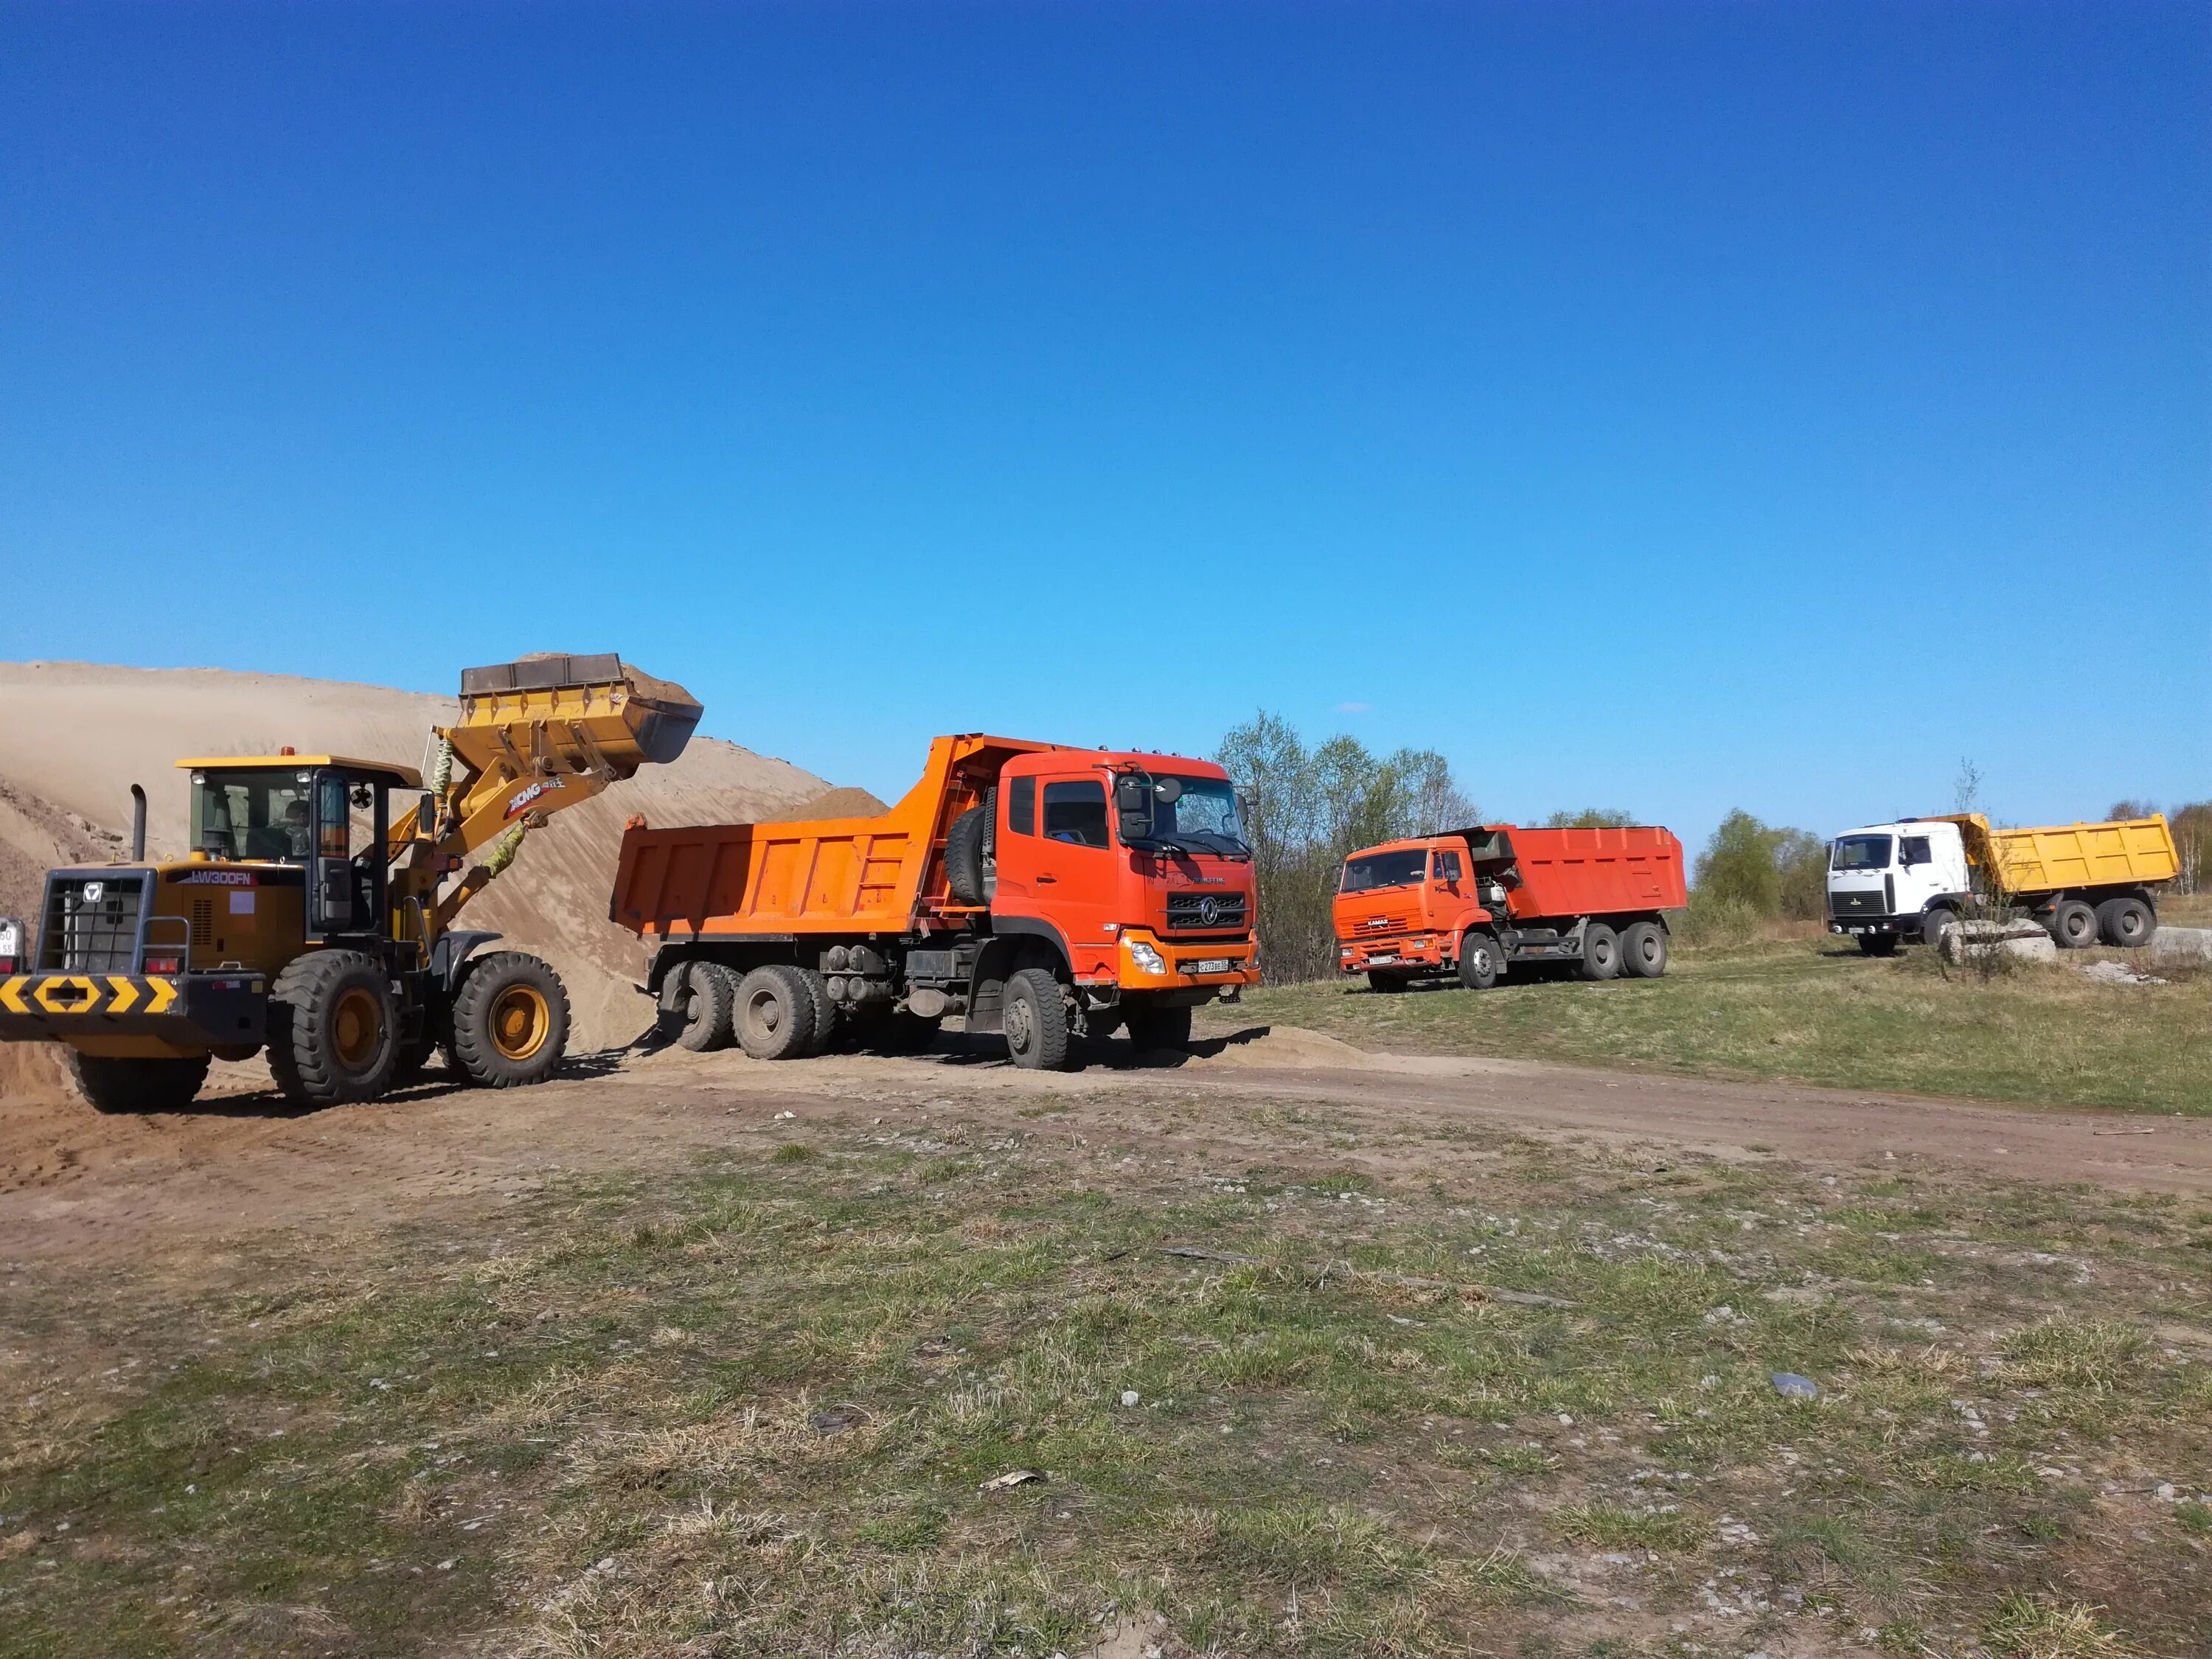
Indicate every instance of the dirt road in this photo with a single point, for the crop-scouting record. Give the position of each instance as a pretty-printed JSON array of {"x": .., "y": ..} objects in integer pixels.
[{"x": 74, "y": 1182}]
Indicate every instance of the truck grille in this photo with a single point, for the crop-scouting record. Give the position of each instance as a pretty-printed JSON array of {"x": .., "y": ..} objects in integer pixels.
[
  {"x": 91, "y": 924},
  {"x": 1216, "y": 912},
  {"x": 1867, "y": 903}
]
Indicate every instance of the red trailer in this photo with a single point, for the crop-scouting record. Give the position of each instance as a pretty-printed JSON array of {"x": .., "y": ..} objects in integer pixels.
[{"x": 1477, "y": 901}]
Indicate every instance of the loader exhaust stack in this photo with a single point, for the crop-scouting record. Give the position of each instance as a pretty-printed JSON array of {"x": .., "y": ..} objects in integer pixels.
[{"x": 137, "y": 824}]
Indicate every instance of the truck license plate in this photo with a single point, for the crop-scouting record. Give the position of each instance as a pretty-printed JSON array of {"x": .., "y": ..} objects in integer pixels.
[
  {"x": 1378, "y": 960},
  {"x": 1207, "y": 965}
]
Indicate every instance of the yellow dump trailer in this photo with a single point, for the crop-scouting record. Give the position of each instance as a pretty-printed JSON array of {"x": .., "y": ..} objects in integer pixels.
[{"x": 2055, "y": 858}]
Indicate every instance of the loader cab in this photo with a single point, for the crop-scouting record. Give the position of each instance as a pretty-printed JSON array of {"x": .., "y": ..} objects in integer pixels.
[{"x": 325, "y": 816}]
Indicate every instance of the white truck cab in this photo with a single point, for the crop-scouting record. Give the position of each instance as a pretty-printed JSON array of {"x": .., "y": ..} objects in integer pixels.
[{"x": 1889, "y": 881}]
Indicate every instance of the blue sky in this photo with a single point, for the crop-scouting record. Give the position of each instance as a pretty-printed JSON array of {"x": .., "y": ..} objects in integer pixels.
[{"x": 1673, "y": 407}]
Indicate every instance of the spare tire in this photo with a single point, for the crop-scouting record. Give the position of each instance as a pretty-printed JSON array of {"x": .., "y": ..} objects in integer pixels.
[{"x": 969, "y": 849}]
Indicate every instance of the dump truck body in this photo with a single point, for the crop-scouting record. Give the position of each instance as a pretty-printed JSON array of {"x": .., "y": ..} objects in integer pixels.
[
  {"x": 1478, "y": 900},
  {"x": 146, "y": 970},
  {"x": 1122, "y": 876},
  {"x": 2087, "y": 883}
]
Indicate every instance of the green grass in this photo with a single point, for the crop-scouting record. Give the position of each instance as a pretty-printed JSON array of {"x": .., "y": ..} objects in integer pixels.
[
  {"x": 1812, "y": 1011},
  {"x": 750, "y": 1410}
]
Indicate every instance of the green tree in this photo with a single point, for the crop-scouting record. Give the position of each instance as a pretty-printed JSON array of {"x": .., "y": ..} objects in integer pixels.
[
  {"x": 1591, "y": 817},
  {"x": 1738, "y": 865}
]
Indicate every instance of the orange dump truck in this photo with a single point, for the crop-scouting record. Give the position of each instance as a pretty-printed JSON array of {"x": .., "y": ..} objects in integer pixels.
[
  {"x": 1478, "y": 902},
  {"x": 1039, "y": 892}
]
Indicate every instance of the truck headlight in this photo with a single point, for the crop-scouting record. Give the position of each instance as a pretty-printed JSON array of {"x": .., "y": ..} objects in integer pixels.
[{"x": 1147, "y": 959}]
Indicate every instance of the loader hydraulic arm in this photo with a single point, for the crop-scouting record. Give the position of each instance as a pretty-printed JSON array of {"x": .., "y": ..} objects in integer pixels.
[{"x": 534, "y": 737}]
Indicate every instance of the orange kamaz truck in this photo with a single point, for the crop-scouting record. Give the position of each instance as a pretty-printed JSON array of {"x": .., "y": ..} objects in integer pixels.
[
  {"x": 1035, "y": 891},
  {"x": 1478, "y": 902}
]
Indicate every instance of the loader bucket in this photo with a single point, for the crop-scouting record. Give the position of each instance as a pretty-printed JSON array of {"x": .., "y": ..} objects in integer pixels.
[{"x": 574, "y": 714}]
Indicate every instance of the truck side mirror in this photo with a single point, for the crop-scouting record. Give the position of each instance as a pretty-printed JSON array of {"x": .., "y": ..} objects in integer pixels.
[{"x": 1133, "y": 805}]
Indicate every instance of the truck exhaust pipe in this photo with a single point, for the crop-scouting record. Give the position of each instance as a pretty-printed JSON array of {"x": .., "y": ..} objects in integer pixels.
[{"x": 137, "y": 824}]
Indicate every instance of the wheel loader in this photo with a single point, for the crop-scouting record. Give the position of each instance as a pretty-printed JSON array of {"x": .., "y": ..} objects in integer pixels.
[{"x": 314, "y": 914}]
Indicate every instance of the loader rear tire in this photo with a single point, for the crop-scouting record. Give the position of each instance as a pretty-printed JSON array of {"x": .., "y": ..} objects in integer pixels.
[
  {"x": 1035, "y": 1020},
  {"x": 1643, "y": 950},
  {"x": 1600, "y": 952},
  {"x": 333, "y": 1029},
  {"x": 110, "y": 1084},
  {"x": 710, "y": 1005},
  {"x": 968, "y": 852},
  {"x": 510, "y": 1021},
  {"x": 775, "y": 1012}
]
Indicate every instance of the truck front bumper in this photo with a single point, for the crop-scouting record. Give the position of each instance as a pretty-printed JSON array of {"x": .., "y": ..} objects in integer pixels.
[
  {"x": 1210, "y": 965},
  {"x": 187, "y": 1011},
  {"x": 1412, "y": 952}
]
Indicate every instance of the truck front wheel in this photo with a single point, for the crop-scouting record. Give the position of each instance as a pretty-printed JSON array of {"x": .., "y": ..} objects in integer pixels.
[
  {"x": 113, "y": 1083},
  {"x": 1478, "y": 961},
  {"x": 1036, "y": 1021},
  {"x": 510, "y": 1021},
  {"x": 1600, "y": 952},
  {"x": 2073, "y": 925},
  {"x": 1158, "y": 1028},
  {"x": 2125, "y": 922},
  {"x": 1933, "y": 924}
]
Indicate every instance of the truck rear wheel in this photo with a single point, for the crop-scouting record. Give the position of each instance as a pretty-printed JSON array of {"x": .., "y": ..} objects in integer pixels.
[
  {"x": 1600, "y": 952},
  {"x": 827, "y": 1017},
  {"x": 1479, "y": 960},
  {"x": 775, "y": 1012},
  {"x": 1035, "y": 1019},
  {"x": 1643, "y": 950},
  {"x": 510, "y": 1021},
  {"x": 333, "y": 1032},
  {"x": 113, "y": 1083},
  {"x": 710, "y": 1001},
  {"x": 2125, "y": 922},
  {"x": 1158, "y": 1028},
  {"x": 2073, "y": 925}
]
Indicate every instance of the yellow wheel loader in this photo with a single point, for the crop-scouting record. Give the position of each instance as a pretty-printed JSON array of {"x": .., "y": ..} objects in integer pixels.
[{"x": 314, "y": 914}]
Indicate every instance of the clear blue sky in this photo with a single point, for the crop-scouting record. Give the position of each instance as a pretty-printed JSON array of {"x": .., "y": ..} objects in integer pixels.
[{"x": 1667, "y": 406}]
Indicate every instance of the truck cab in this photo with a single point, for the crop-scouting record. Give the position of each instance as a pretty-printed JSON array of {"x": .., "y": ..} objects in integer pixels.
[{"x": 1893, "y": 881}]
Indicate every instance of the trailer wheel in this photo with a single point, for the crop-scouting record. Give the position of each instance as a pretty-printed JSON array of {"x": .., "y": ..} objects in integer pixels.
[
  {"x": 710, "y": 999},
  {"x": 1156, "y": 1027},
  {"x": 510, "y": 1021},
  {"x": 1035, "y": 1020},
  {"x": 1643, "y": 950},
  {"x": 1479, "y": 960},
  {"x": 2073, "y": 925},
  {"x": 1389, "y": 984},
  {"x": 1600, "y": 952},
  {"x": 2125, "y": 922},
  {"x": 827, "y": 1015},
  {"x": 1878, "y": 945},
  {"x": 115, "y": 1083},
  {"x": 968, "y": 852},
  {"x": 1933, "y": 924},
  {"x": 333, "y": 1031},
  {"x": 775, "y": 1012}
]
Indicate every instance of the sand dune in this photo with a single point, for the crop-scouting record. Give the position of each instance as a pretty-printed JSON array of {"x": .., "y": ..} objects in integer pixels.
[{"x": 79, "y": 734}]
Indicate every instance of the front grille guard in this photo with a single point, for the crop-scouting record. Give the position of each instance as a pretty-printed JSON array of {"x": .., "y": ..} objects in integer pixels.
[{"x": 110, "y": 941}]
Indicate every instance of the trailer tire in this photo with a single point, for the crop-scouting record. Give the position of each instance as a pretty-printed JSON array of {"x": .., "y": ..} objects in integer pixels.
[
  {"x": 119, "y": 1084},
  {"x": 1643, "y": 950},
  {"x": 827, "y": 1015},
  {"x": 968, "y": 852},
  {"x": 1600, "y": 952},
  {"x": 1481, "y": 959},
  {"x": 1933, "y": 924},
  {"x": 775, "y": 1012},
  {"x": 1877, "y": 945},
  {"x": 510, "y": 1021},
  {"x": 710, "y": 1001},
  {"x": 2073, "y": 925},
  {"x": 1036, "y": 1021},
  {"x": 1156, "y": 1028},
  {"x": 333, "y": 1029},
  {"x": 1387, "y": 984},
  {"x": 2125, "y": 922}
]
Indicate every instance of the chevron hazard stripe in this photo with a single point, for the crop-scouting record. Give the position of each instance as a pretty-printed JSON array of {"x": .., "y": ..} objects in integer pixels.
[{"x": 81, "y": 994}]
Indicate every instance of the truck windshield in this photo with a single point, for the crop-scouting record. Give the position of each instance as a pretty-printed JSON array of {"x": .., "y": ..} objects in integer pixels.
[
  {"x": 1384, "y": 870},
  {"x": 1204, "y": 817},
  {"x": 1861, "y": 852},
  {"x": 252, "y": 815}
]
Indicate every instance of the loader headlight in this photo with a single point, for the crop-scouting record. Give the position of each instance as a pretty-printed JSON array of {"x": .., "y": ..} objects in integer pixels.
[{"x": 1147, "y": 959}]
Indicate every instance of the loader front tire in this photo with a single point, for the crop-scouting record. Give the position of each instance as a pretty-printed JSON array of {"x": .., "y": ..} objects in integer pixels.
[
  {"x": 333, "y": 1029},
  {"x": 510, "y": 1021},
  {"x": 110, "y": 1084},
  {"x": 775, "y": 1012}
]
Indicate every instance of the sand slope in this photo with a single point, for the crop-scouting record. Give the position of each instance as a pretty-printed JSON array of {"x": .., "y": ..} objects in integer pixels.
[{"x": 78, "y": 735}]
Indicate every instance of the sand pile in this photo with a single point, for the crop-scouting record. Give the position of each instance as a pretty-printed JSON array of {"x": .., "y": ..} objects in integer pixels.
[{"x": 79, "y": 734}]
